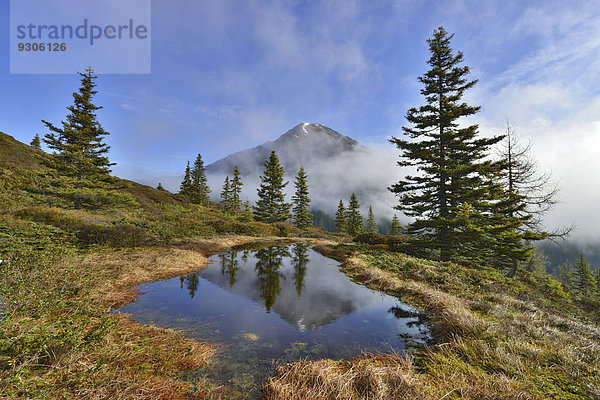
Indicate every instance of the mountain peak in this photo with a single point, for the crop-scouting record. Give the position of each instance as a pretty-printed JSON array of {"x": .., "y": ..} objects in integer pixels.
[
  {"x": 313, "y": 132},
  {"x": 303, "y": 143}
]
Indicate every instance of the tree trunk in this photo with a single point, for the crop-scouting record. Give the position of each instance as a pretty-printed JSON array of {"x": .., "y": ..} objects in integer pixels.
[{"x": 513, "y": 270}]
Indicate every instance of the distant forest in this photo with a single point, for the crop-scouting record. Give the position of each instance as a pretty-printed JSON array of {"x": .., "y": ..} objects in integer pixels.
[
  {"x": 565, "y": 252},
  {"x": 323, "y": 220}
]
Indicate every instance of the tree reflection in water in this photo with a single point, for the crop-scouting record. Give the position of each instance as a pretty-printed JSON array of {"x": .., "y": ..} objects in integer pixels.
[
  {"x": 229, "y": 265},
  {"x": 268, "y": 263},
  {"x": 191, "y": 283},
  {"x": 299, "y": 261}
]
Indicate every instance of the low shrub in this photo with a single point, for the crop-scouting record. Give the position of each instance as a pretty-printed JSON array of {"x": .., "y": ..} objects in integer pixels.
[{"x": 370, "y": 238}]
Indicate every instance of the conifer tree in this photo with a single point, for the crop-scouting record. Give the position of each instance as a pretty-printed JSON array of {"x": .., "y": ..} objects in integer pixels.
[
  {"x": 529, "y": 194},
  {"x": 354, "y": 219},
  {"x": 79, "y": 151},
  {"x": 226, "y": 195},
  {"x": 340, "y": 218},
  {"x": 246, "y": 215},
  {"x": 585, "y": 277},
  {"x": 271, "y": 205},
  {"x": 564, "y": 274},
  {"x": 453, "y": 165},
  {"x": 199, "y": 189},
  {"x": 186, "y": 184},
  {"x": 396, "y": 228},
  {"x": 79, "y": 173},
  {"x": 36, "y": 142},
  {"x": 371, "y": 225},
  {"x": 301, "y": 201},
  {"x": 537, "y": 263},
  {"x": 597, "y": 278},
  {"x": 235, "y": 192}
]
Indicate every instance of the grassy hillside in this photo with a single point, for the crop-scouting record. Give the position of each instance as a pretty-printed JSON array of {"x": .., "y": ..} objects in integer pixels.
[{"x": 63, "y": 270}]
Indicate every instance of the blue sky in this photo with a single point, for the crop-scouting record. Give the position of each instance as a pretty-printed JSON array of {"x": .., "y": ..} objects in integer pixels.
[{"x": 227, "y": 75}]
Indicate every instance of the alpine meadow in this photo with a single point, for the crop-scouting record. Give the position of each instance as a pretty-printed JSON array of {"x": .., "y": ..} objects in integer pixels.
[{"x": 182, "y": 234}]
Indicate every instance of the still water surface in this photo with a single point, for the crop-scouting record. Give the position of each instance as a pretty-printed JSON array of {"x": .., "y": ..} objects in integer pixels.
[{"x": 274, "y": 305}]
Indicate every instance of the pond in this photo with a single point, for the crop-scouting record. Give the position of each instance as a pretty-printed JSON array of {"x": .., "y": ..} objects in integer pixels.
[{"x": 275, "y": 305}]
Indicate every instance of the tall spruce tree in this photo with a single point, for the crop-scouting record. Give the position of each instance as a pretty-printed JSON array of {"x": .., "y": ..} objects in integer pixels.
[
  {"x": 186, "y": 184},
  {"x": 396, "y": 227},
  {"x": 79, "y": 151},
  {"x": 371, "y": 225},
  {"x": 36, "y": 142},
  {"x": 354, "y": 220},
  {"x": 235, "y": 192},
  {"x": 271, "y": 205},
  {"x": 585, "y": 277},
  {"x": 341, "y": 218},
  {"x": 226, "y": 195},
  {"x": 300, "y": 200},
  {"x": 199, "y": 189},
  {"x": 451, "y": 159}
]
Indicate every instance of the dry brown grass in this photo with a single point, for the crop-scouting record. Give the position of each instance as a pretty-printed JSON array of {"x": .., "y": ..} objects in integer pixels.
[
  {"x": 129, "y": 267},
  {"x": 375, "y": 377},
  {"x": 137, "y": 362},
  {"x": 449, "y": 313}
]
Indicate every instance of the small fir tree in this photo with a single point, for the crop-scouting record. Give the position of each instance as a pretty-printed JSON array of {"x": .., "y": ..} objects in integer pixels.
[
  {"x": 226, "y": 195},
  {"x": 79, "y": 151},
  {"x": 246, "y": 215},
  {"x": 396, "y": 228},
  {"x": 271, "y": 206},
  {"x": 585, "y": 277},
  {"x": 186, "y": 184},
  {"x": 340, "y": 218},
  {"x": 301, "y": 201},
  {"x": 36, "y": 142},
  {"x": 371, "y": 226},
  {"x": 354, "y": 219},
  {"x": 199, "y": 189},
  {"x": 79, "y": 173},
  {"x": 235, "y": 191}
]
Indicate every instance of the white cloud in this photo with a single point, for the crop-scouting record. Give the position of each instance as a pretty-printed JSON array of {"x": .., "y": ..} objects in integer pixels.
[{"x": 551, "y": 94}]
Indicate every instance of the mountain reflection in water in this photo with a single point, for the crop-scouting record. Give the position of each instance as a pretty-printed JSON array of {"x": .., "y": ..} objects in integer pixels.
[
  {"x": 263, "y": 277},
  {"x": 278, "y": 304}
]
